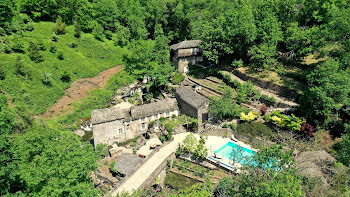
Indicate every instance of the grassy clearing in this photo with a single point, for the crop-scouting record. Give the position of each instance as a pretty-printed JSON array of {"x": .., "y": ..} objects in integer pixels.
[
  {"x": 87, "y": 59},
  {"x": 96, "y": 99}
]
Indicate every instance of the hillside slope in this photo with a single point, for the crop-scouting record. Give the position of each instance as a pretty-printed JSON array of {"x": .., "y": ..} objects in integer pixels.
[{"x": 24, "y": 80}]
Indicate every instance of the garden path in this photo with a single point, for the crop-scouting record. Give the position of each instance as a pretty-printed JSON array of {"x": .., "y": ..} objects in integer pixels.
[{"x": 142, "y": 174}]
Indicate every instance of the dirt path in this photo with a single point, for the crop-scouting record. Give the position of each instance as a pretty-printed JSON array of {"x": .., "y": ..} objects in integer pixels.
[{"x": 78, "y": 90}]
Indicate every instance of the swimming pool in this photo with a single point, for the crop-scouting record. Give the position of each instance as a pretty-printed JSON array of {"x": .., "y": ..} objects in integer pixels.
[{"x": 239, "y": 154}]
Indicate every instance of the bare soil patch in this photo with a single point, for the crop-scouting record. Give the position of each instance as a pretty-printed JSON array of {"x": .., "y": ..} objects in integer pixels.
[{"x": 78, "y": 90}]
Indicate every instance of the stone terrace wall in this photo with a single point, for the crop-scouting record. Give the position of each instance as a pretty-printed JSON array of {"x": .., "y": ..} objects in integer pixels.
[
  {"x": 155, "y": 173},
  {"x": 280, "y": 90}
]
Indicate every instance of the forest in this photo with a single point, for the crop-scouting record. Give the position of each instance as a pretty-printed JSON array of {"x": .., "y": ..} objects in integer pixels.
[{"x": 47, "y": 45}]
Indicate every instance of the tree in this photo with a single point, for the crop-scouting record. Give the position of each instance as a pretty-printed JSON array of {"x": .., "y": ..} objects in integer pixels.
[
  {"x": 279, "y": 179},
  {"x": 343, "y": 150},
  {"x": 97, "y": 31},
  {"x": 224, "y": 107},
  {"x": 190, "y": 143},
  {"x": 329, "y": 87},
  {"x": 34, "y": 52},
  {"x": 6, "y": 127},
  {"x": 62, "y": 163},
  {"x": 6, "y": 14},
  {"x": 60, "y": 26}
]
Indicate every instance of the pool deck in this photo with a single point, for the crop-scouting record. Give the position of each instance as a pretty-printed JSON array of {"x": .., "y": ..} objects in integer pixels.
[{"x": 214, "y": 142}]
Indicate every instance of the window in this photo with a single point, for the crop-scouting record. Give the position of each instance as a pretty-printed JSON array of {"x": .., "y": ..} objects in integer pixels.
[
  {"x": 156, "y": 116},
  {"x": 167, "y": 113},
  {"x": 120, "y": 131},
  {"x": 143, "y": 120},
  {"x": 143, "y": 127},
  {"x": 128, "y": 121}
]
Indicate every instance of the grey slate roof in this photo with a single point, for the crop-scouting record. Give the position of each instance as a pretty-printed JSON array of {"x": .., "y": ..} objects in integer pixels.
[
  {"x": 154, "y": 108},
  {"x": 127, "y": 163},
  {"x": 186, "y": 44},
  {"x": 191, "y": 97},
  {"x": 106, "y": 115}
]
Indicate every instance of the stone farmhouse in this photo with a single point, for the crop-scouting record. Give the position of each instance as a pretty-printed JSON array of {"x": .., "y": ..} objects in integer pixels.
[
  {"x": 185, "y": 53},
  {"x": 113, "y": 125}
]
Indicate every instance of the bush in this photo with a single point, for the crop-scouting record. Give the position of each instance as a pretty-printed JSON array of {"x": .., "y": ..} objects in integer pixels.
[
  {"x": 178, "y": 78},
  {"x": 289, "y": 122},
  {"x": 73, "y": 45},
  {"x": 97, "y": 31},
  {"x": 112, "y": 169},
  {"x": 60, "y": 27},
  {"x": 233, "y": 126},
  {"x": 254, "y": 129},
  {"x": 307, "y": 129},
  {"x": 77, "y": 30},
  {"x": 249, "y": 117},
  {"x": 2, "y": 73},
  {"x": 47, "y": 78},
  {"x": 55, "y": 38},
  {"x": 60, "y": 55},
  {"x": 267, "y": 98},
  {"x": 65, "y": 77},
  {"x": 343, "y": 150},
  {"x": 162, "y": 138},
  {"x": 53, "y": 49},
  {"x": 34, "y": 52},
  {"x": 133, "y": 144}
]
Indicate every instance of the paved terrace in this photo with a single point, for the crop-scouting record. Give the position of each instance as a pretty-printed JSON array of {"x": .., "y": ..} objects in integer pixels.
[{"x": 142, "y": 174}]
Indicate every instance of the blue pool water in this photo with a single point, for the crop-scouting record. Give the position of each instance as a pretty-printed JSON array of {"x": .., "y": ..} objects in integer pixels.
[{"x": 237, "y": 153}]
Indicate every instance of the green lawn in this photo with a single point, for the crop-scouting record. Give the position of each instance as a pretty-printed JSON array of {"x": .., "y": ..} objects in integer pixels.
[{"x": 86, "y": 60}]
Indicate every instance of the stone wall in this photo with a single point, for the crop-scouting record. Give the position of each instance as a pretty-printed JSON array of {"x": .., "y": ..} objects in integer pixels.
[
  {"x": 277, "y": 89},
  {"x": 155, "y": 173}
]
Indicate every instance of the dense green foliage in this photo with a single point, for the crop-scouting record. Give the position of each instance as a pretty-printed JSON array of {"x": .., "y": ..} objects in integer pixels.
[
  {"x": 254, "y": 129},
  {"x": 277, "y": 179},
  {"x": 72, "y": 39},
  {"x": 39, "y": 85},
  {"x": 343, "y": 150}
]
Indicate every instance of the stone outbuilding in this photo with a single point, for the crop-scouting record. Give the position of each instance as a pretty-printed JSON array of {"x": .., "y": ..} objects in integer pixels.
[
  {"x": 185, "y": 53},
  {"x": 193, "y": 104}
]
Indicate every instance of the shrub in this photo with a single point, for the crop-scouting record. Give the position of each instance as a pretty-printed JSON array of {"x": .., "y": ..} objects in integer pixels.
[
  {"x": 249, "y": 117},
  {"x": 77, "y": 30},
  {"x": 263, "y": 109},
  {"x": 53, "y": 49},
  {"x": 47, "y": 78},
  {"x": 254, "y": 129},
  {"x": 288, "y": 122},
  {"x": 162, "y": 138},
  {"x": 97, "y": 31},
  {"x": 55, "y": 38},
  {"x": 73, "y": 45},
  {"x": 34, "y": 53},
  {"x": 60, "y": 55},
  {"x": 267, "y": 98},
  {"x": 60, "y": 27},
  {"x": 343, "y": 150},
  {"x": 307, "y": 129},
  {"x": 2, "y": 73},
  {"x": 133, "y": 144},
  {"x": 113, "y": 170},
  {"x": 65, "y": 77},
  {"x": 178, "y": 78},
  {"x": 233, "y": 126}
]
